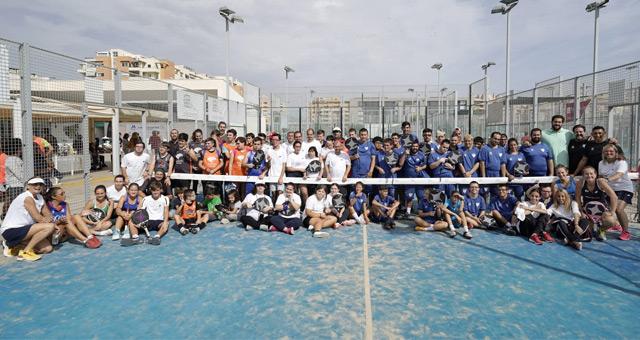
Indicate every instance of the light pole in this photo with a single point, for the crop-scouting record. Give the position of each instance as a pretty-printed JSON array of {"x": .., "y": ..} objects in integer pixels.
[
  {"x": 502, "y": 9},
  {"x": 441, "y": 96},
  {"x": 287, "y": 69},
  {"x": 595, "y": 6},
  {"x": 229, "y": 17},
  {"x": 405, "y": 112},
  {"x": 438, "y": 66},
  {"x": 486, "y": 89}
]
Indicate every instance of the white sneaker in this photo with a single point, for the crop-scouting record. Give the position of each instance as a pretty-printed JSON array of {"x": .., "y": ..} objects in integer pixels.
[
  {"x": 249, "y": 227},
  {"x": 224, "y": 221},
  {"x": 320, "y": 234},
  {"x": 116, "y": 235},
  {"x": 126, "y": 233},
  {"x": 264, "y": 227},
  {"x": 310, "y": 228},
  {"x": 104, "y": 232}
]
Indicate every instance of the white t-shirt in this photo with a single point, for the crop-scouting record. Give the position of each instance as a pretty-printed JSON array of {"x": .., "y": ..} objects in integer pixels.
[
  {"x": 17, "y": 215},
  {"x": 306, "y": 145},
  {"x": 298, "y": 161},
  {"x": 609, "y": 169},
  {"x": 315, "y": 205},
  {"x": 337, "y": 164},
  {"x": 155, "y": 208},
  {"x": 135, "y": 166},
  {"x": 251, "y": 199},
  {"x": 114, "y": 195},
  {"x": 295, "y": 198},
  {"x": 325, "y": 151},
  {"x": 561, "y": 212},
  {"x": 278, "y": 158},
  {"x": 537, "y": 205}
]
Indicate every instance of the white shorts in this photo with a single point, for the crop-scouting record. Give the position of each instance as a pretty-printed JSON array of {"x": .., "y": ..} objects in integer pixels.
[{"x": 275, "y": 186}]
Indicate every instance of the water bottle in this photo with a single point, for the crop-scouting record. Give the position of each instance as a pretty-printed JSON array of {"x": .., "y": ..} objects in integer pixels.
[{"x": 55, "y": 238}]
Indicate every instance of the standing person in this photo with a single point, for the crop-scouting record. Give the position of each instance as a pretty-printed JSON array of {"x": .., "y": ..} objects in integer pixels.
[
  {"x": 321, "y": 139},
  {"x": 576, "y": 148},
  {"x": 590, "y": 189},
  {"x": 386, "y": 170},
  {"x": 513, "y": 157},
  {"x": 337, "y": 133},
  {"x": 469, "y": 165},
  {"x": 593, "y": 149},
  {"x": 173, "y": 142},
  {"x": 317, "y": 215},
  {"x": 249, "y": 137},
  {"x": 535, "y": 219},
  {"x": 338, "y": 163},
  {"x": 493, "y": 160},
  {"x": 564, "y": 181},
  {"x": 154, "y": 141},
  {"x": 163, "y": 160},
  {"x": 197, "y": 145},
  {"x": 440, "y": 167},
  {"x": 310, "y": 142},
  {"x": 414, "y": 165},
  {"x": 253, "y": 168},
  {"x": 237, "y": 156},
  {"x": 557, "y": 139},
  {"x": 73, "y": 225},
  {"x": 27, "y": 227},
  {"x": 184, "y": 159},
  {"x": 565, "y": 216},
  {"x": 222, "y": 127},
  {"x": 211, "y": 161},
  {"x": 286, "y": 221},
  {"x": 289, "y": 142},
  {"x": 124, "y": 144},
  {"x": 363, "y": 159},
  {"x": 297, "y": 137},
  {"x": 327, "y": 148},
  {"x": 503, "y": 140},
  {"x": 297, "y": 167},
  {"x": 227, "y": 146},
  {"x": 102, "y": 227},
  {"x": 407, "y": 135},
  {"x": 427, "y": 133},
  {"x": 134, "y": 165},
  {"x": 614, "y": 169},
  {"x": 277, "y": 164},
  {"x": 538, "y": 155},
  {"x": 257, "y": 219},
  {"x": 14, "y": 172}
]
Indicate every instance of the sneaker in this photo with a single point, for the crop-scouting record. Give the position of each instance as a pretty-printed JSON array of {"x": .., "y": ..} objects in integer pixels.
[
  {"x": 289, "y": 231},
  {"x": 577, "y": 245},
  {"x": 95, "y": 243},
  {"x": 184, "y": 231},
  {"x": 320, "y": 234},
  {"x": 103, "y": 232},
  {"x": 10, "y": 252},
  {"x": 28, "y": 256},
  {"x": 154, "y": 241},
  {"x": 393, "y": 224},
  {"x": 470, "y": 226},
  {"x": 194, "y": 230},
  {"x": 535, "y": 239},
  {"x": 248, "y": 228},
  {"x": 509, "y": 231},
  {"x": 272, "y": 228},
  {"x": 88, "y": 243},
  {"x": 565, "y": 241},
  {"x": 310, "y": 228},
  {"x": 467, "y": 235},
  {"x": 126, "y": 233},
  {"x": 224, "y": 221},
  {"x": 126, "y": 242},
  {"x": 418, "y": 228},
  {"x": 625, "y": 236},
  {"x": 452, "y": 233},
  {"x": 264, "y": 227},
  {"x": 600, "y": 236},
  {"x": 615, "y": 228},
  {"x": 116, "y": 235},
  {"x": 547, "y": 238},
  {"x": 337, "y": 226}
]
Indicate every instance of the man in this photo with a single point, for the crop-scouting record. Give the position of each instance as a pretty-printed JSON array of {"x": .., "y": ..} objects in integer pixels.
[
  {"x": 557, "y": 139},
  {"x": 222, "y": 127},
  {"x": 173, "y": 143},
  {"x": 378, "y": 143},
  {"x": 593, "y": 150},
  {"x": 407, "y": 136},
  {"x": 310, "y": 142},
  {"x": 493, "y": 160},
  {"x": 384, "y": 208},
  {"x": 276, "y": 165},
  {"x": 134, "y": 165},
  {"x": 501, "y": 208},
  {"x": 455, "y": 142},
  {"x": 386, "y": 170},
  {"x": 337, "y": 133},
  {"x": 211, "y": 162},
  {"x": 469, "y": 165},
  {"x": 44, "y": 145},
  {"x": 338, "y": 163},
  {"x": 249, "y": 163},
  {"x": 413, "y": 164},
  {"x": 503, "y": 140},
  {"x": 475, "y": 206},
  {"x": 426, "y": 138},
  {"x": 289, "y": 142},
  {"x": 576, "y": 147},
  {"x": 320, "y": 138},
  {"x": 397, "y": 147},
  {"x": 478, "y": 142},
  {"x": 538, "y": 155},
  {"x": 440, "y": 136},
  {"x": 440, "y": 168},
  {"x": 363, "y": 159}
]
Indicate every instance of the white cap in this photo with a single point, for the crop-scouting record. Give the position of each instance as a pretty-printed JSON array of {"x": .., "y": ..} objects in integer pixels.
[
  {"x": 336, "y": 129},
  {"x": 36, "y": 180},
  {"x": 260, "y": 183}
]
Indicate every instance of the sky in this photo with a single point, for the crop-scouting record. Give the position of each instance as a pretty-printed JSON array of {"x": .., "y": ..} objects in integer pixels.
[{"x": 340, "y": 42}]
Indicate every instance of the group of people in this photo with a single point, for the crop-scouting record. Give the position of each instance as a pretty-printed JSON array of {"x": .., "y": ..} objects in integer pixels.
[{"x": 587, "y": 199}]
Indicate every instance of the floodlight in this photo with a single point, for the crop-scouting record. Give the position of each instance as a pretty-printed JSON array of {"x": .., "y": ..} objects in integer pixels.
[
  {"x": 236, "y": 18},
  {"x": 594, "y": 5},
  {"x": 437, "y": 66},
  {"x": 224, "y": 11},
  {"x": 289, "y": 69},
  {"x": 499, "y": 9},
  {"x": 508, "y": 2}
]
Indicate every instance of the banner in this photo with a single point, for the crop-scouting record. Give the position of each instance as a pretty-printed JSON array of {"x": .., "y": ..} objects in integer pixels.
[
  {"x": 237, "y": 114},
  {"x": 160, "y": 127},
  {"x": 217, "y": 109},
  {"x": 570, "y": 112},
  {"x": 251, "y": 94},
  {"x": 93, "y": 91},
  {"x": 190, "y": 105}
]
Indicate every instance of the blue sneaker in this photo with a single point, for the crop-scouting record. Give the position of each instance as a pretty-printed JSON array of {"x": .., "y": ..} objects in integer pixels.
[
  {"x": 126, "y": 233},
  {"x": 116, "y": 235}
]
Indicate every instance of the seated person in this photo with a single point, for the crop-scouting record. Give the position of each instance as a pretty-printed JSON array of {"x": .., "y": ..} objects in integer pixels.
[
  {"x": 102, "y": 227},
  {"x": 212, "y": 200},
  {"x": 454, "y": 214},
  {"x": 176, "y": 201},
  {"x": 257, "y": 219},
  {"x": 230, "y": 211},
  {"x": 341, "y": 214},
  {"x": 384, "y": 208},
  {"x": 157, "y": 206},
  {"x": 317, "y": 215},
  {"x": 73, "y": 225},
  {"x": 158, "y": 176},
  {"x": 475, "y": 206},
  {"x": 535, "y": 218},
  {"x": 285, "y": 221},
  {"x": 429, "y": 219},
  {"x": 358, "y": 205},
  {"x": 501, "y": 208},
  {"x": 187, "y": 214}
]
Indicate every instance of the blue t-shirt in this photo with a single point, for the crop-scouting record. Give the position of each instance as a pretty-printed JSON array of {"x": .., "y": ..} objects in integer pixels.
[
  {"x": 474, "y": 205},
  {"x": 440, "y": 170},
  {"x": 449, "y": 204},
  {"x": 360, "y": 166},
  {"x": 57, "y": 213},
  {"x": 359, "y": 203},
  {"x": 505, "y": 208},
  {"x": 426, "y": 207},
  {"x": 492, "y": 158},
  {"x": 256, "y": 171},
  {"x": 387, "y": 202},
  {"x": 411, "y": 162},
  {"x": 537, "y": 156},
  {"x": 387, "y": 169},
  {"x": 469, "y": 159},
  {"x": 512, "y": 160},
  {"x": 571, "y": 190}
]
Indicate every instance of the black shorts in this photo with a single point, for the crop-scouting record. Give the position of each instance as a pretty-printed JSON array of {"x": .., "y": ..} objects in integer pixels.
[
  {"x": 154, "y": 225},
  {"x": 190, "y": 221},
  {"x": 14, "y": 236},
  {"x": 305, "y": 222},
  {"x": 625, "y": 196}
]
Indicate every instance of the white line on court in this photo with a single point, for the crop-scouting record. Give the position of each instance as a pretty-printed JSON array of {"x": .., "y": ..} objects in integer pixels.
[{"x": 368, "y": 330}]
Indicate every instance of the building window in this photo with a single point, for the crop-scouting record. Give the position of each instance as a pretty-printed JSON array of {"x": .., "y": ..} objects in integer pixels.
[
  {"x": 115, "y": 54},
  {"x": 100, "y": 74}
]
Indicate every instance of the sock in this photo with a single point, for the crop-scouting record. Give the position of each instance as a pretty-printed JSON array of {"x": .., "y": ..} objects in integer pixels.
[
  {"x": 465, "y": 228},
  {"x": 134, "y": 236},
  {"x": 451, "y": 227},
  {"x": 357, "y": 218},
  {"x": 157, "y": 236},
  {"x": 430, "y": 228},
  {"x": 508, "y": 225},
  {"x": 409, "y": 210}
]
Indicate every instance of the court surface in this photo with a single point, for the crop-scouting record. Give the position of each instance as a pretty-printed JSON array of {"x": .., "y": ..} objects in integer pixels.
[{"x": 228, "y": 283}]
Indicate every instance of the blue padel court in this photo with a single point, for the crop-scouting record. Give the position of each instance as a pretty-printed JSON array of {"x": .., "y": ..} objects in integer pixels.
[{"x": 228, "y": 283}]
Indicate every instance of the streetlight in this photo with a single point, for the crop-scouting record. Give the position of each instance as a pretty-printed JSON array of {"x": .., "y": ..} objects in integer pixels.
[
  {"x": 287, "y": 69},
  {"x": 438, "y": 66},
  {"x": 595, "y": 6},
  {"x": 405, "y": 112},
  {"x": 229, "y": 17},
  {"x": 486, "y": 88},
  {"x": 506, "y": 9}
]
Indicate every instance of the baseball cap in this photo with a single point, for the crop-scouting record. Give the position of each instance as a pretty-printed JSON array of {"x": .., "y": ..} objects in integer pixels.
[
  {"x": 336, "y": 129},
  {"x": 36, "y": 180}
]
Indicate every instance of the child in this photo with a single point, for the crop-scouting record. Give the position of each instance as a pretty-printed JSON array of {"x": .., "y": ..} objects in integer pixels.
[
  {"x": 230, "y": 213},
  {"x": 103, "y": 227},
  {"x": 187, "y": 214},
  {"x": 157, "y": 206},
  {"x": 358, "y": 205},
  {"x": 429, "y": 219},
  {"x": 176, "y": 201},
  {"x": 211, "y": 200},
  {"x": 384, "y": 208},
  {"x": 533, "y": 217},
  {"x": 341, "y": 214},
  {"x": 454, "y": 215}
]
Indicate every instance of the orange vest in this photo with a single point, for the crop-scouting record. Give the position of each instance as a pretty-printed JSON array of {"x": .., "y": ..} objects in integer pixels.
[
  {"x": 211, "y": 160},
  {"x": 236, "y": 166},
  {"x": 38, "y": 141},
  {"x": 189, "y": 211}
]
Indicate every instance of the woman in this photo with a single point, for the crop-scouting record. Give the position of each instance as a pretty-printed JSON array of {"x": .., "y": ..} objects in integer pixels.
[
  {"x": 102, "y": 227},
  {"x": 312, "y": 155},
  {"x": 60, "y": 211},
  {"x": 592, "y": 189},
  {"x": 614, "y": 169},
  {"x": 288, "y": 208},
  {"x": 127, "y": 205},
  {"x": 358, "y": 205},
  {"x": 317, "y": 213},
  {"x": 27, "y": 227},
  {"x": 533, "y": 217},
  {"x": 163, "y": 160},
  {"x": 513, "y": 157},
  {"x": 257, "y": 219},
  {"x": 564, "y": 182},
  {"x": 124, "y": 143},
  {"x": 340, "y": 212},
  {"x": 565, "y": 216},
  {"x": 297, "y": 167}
]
